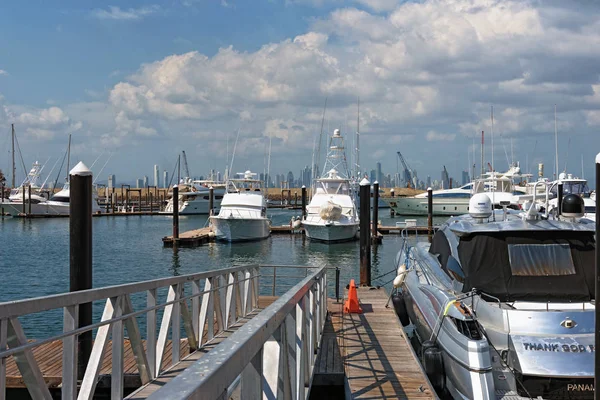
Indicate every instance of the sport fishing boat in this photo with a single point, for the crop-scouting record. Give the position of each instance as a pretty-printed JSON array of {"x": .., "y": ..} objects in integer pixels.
[
  {"x": 194, "y": 197},
  {"x": 331, "y": 215},
  {"x": 502, "y": 302},
  {"x": 243, "y": 213}
]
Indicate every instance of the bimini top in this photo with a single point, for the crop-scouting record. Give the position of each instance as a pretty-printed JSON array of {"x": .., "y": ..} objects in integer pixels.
[{"x": 465, "y": 225}]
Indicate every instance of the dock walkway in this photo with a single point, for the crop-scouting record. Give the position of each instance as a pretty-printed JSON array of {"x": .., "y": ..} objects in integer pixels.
[{"x": 372, "y": 351}]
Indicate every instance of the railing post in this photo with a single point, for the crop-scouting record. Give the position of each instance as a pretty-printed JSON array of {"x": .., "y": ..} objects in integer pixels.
[
  {"x": 252, "y": 378},
  {"x": 151, "y": 332},
  {"x": 3, "y": 343},
  {"x": 69, "y": 358},
  {"x": 300, "y": 354},
  {"x": 80, "y": 232},
  {"x": 116, "y": 378}
]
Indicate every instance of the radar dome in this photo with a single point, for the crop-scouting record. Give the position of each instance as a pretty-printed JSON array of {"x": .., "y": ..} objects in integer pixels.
[
  {"x": 480, "y": 206},
  {"x": 572, "y": 206},
  {"x": 336, "y": 132}
]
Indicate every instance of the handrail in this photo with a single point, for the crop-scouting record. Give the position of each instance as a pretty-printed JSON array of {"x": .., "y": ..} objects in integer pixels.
[
  {"x": 228, "y": 295},
  {"x": 277, "y": 347}
]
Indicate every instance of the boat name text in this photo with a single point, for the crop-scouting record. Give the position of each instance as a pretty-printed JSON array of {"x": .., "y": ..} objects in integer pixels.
[{"x": 557, "y": 347}]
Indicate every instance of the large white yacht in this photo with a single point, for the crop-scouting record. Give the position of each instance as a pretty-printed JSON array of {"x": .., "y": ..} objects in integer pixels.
[
  {"x": 194, "y": 197},
  {"x": 331, "y": 214},
  {"x": 499, "y": 186},
  {"x": 243, "y": 213}
]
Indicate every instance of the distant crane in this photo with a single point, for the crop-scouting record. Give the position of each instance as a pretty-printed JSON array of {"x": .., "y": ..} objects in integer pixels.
[
  {"x": 185, "y": 165},
  {"x": 407, "y": 171}
]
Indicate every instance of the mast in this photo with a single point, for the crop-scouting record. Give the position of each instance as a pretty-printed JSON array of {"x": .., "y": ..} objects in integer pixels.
[
  {"x": 358, "y": 140},
  {"x": 556, "y": 142},
  {"x": 14, "y": 167},
  {"x": 68, "y": 157},
  {"x": 482, "y": 167},
  {"x": 492, "y": 141},
  {"x": 179, "y": 169},
  {"x": 316, "y": 169}
]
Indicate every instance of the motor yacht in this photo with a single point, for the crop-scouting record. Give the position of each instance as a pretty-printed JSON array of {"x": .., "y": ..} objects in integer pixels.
[
  {"x": 331, "y": 215},
  {"x": 243, "y": 213},
  {"x": 194, "y": 197},
  {"x": 501, "y": 304}
]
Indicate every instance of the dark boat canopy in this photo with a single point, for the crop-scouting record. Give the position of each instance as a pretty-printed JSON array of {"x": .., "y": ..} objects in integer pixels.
[{"x": 553, "y": 265}]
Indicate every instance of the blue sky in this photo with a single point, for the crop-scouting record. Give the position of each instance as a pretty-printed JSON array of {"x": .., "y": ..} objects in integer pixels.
[{"x": 144, "y": 80}]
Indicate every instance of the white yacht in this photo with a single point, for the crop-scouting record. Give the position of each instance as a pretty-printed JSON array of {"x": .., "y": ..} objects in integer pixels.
[
  {"x": 194, "y": 197},
  {"x": 243, "y": 213},
  {"x": 30, "y": 183},
  {"x": 499, "y": 186},
  {"x": 331, "y": 215}
]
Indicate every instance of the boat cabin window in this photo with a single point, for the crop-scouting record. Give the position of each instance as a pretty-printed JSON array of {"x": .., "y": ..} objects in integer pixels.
[
  {"x": 335, "y": 187},
  {"x": 579, "y": 188},
  {"x": 540, "y": 259},
  {"x": 61, "y": 199}
]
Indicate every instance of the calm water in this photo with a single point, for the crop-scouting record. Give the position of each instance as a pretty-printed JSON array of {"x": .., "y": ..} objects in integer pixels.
[{"x": 34, "y": 255}]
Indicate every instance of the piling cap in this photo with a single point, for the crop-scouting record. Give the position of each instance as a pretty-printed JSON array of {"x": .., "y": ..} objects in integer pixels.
[
  {"x": 80, "y": 170},
  {"x": 598, "y": 158},
  {"x": 365, "y": 182},
  {"x": 303, "y": 187},
  {"x": 175, "y": 187},
  {"x": 428, "y": 189},
  {"x": 375, "y": 183}
]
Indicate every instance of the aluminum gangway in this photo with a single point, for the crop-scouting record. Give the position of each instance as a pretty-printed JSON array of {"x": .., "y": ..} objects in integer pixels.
[{"x": 216, "y": 317}]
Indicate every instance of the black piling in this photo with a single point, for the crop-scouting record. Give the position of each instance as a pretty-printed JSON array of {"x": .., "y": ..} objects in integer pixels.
[
  {"x": 2, "y": 208},
  {"x": 151, "y": 204},
  {"x": 597, "y": 294},
  {"x": 374, "y": 237},
  {"x": 29, "y": 199},
  {"x": 24, "y": 202},
  {"x": 303, "y": 202},
  {"x": 365, "y": 233},
  {"x": 80, "y": 249},
  {"x": 429, "y": 214},
  {"x": 211, "y": 200},
  {"x": 392, "y": 212},
  {"x": 175, "y": 215},
  {"x": 560, "y": 198}
]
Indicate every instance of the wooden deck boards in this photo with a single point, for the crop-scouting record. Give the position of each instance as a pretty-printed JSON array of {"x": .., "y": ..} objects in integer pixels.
[{"x": 378, "y": 360}]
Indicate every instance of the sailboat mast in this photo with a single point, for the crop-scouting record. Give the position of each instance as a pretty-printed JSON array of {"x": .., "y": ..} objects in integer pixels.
[
  {"x": 482, "y": 167},
  {"x": 316, "y": 166},
  {"x": 555, "y": 143},
  {"x": 179, "y": 169},
  {"x": 358, "y": 140},
  {"x": 14, "y": 167},
  {"x": 492, "y": 140},
  {"x": 68, "y": 157}
]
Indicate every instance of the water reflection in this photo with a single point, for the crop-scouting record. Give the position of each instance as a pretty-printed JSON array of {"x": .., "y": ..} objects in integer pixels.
[{"x": 175, "y": 264}]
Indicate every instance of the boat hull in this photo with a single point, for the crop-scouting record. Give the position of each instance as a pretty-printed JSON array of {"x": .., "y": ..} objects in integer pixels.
[
  {"x": 240, "y": 229},
  {"x": 418, "y": 206},
  {"x": 332, "y": 232},
  {"x": 40, "y": 209},
  {"x": 193, "y": 208}
]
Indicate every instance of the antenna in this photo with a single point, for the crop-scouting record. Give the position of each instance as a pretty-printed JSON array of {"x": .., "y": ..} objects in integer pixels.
[
  {"x": 482, "y": 166},
  {"x": 555, "y": 143},
  {"x": 14, "y": 167},
  {"x": 567, "y": 160},
  {"x": 268, "y": 176},
  {"x": 68, "y": 158},
  {"x": 493, "y": 173},
  {"x": 234, "y": 147},
  {"x": 316, "y": 169},
  {"x": 358, "y": 138},
  {"x": 582, "y": 177}
]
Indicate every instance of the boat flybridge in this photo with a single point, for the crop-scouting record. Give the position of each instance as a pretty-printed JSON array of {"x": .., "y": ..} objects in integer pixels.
[
  {"x": 194, "y": 197},
  {"x": 243, "y": 213},
  {"x": 331, "y": 214},
  {"x": 501, "y": 303}
]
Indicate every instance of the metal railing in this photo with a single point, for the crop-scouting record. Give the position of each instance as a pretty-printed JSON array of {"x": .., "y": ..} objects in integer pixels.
[
  {"x": 289, "y": 275},
  {"x": 227, "y": 296},
  {"x": 271, "y": 356}
]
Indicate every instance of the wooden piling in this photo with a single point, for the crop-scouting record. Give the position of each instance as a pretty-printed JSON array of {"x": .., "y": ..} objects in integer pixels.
[
  {"x": 365, "y": 237},
  {"x": 29, "y": 199},
  {"x": 375, "y": 210},
  {"x": 80, "y": 270},
  {"x": 429, "y": 214},
  {"x": 303, "y": 202},
  {"x": 175, "y": 214},
  {"x": 211, "y": 201}
]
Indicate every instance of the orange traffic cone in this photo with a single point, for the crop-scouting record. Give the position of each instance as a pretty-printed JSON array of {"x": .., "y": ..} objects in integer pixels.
[{"x": 352, "y": 305}]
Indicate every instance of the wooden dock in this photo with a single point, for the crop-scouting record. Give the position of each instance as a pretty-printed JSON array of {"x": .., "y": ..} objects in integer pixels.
[
  {"x": 371, "y": 351},
  {"x": 198, "y": 237}
]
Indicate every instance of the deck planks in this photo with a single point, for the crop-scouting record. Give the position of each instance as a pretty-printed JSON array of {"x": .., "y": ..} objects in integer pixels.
[{"x": 379, "y": 362}]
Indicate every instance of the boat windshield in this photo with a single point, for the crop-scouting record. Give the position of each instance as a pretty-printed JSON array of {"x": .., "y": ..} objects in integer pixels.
[
  {"x": 579, "y": 188},
  {"x": 552, "y": 265},
  {"x": 60, "y": 199},
  {"x": 335, "y": 187}
]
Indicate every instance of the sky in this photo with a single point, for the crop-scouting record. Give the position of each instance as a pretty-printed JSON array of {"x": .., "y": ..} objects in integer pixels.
[{"x": 141, "y": 81}]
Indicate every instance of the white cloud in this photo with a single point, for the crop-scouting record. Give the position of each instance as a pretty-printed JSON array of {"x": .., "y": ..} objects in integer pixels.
[
  {"x": 3, "y": 72},
  {"x": 433, "y": 136},
  {"x": 116, "y": 13}
]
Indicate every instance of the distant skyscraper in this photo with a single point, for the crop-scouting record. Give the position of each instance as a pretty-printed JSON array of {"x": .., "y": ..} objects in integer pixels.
[
  {"x": 428, "y": 181},
  {"x": 139, "y": 183},
  {"x": 379, "y": 175},
  {"x": 445, "y": 179},
  {"x": 465, "y": 177},
  {"x": 156, "y": 176},
  {"x": 112, "y": 182},
  {"x": 165, "y": 179},
  {"x": 145, "y": 181}
]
